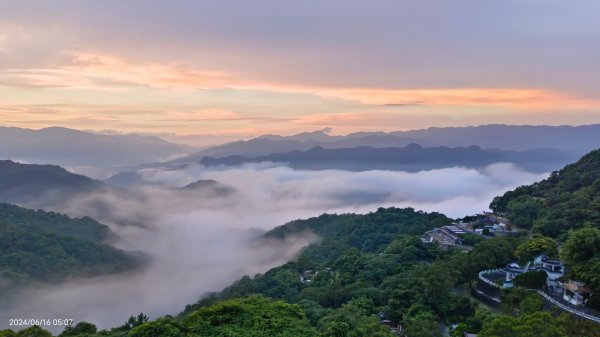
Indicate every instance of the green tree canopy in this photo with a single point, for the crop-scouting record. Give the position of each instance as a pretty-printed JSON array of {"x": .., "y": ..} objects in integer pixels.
[
  {"x": 34, "y": 331},
  {"x": 581, "y": 245},
  {"x": 537, "y": 245},
  {"x": 254, "y": 316},
  {"x": 535, "y": 279},
  {"x": 568, "y": 199},
  {"x": 79, "y": 329},
  {"x": 537, "y": 324}
]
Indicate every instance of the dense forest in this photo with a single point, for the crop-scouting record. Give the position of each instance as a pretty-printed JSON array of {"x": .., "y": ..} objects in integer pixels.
[
  {"x": 569, "y": 198},
  {"x": 48, "y": 247}
]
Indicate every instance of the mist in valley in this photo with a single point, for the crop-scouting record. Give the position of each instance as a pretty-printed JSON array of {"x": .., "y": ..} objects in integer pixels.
[{"x": 202, "y": 239}]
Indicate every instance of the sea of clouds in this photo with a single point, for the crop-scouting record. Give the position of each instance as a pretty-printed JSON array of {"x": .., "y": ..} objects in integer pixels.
[{"x": 201, "y": 241}]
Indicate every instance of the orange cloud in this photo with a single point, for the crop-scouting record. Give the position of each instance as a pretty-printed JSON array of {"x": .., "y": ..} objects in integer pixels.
[
  {"x": 103, "y": 72},
  {"x": 377, "y": 120},
  {"x": 157, "y": 75},
  {"x": 221, "y": 115},
  {"x": 510, "y": 97}
]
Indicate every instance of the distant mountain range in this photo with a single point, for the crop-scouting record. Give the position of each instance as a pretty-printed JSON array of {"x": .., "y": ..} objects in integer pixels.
[
  {"x": 580, "y": 139},
  {"x": 411, "y": 158},
  {"x": 576, "y": 140},
  {"x": 533, "y": 147},
  {"x": 73, "y": 148}
]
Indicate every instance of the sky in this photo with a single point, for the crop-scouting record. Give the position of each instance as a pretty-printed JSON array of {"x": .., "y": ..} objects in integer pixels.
[{"x": 234, "y": 69}]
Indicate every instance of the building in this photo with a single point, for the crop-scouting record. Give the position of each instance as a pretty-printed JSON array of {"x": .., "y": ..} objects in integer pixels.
[
  {"x": 554, "y": 270},
  {"x": 562, "y": 294},
  {"x": 493, "y": 223},
  {"x": 445, "y": 236},
  {"x": 575, "y": 292},
  {"x": 511, "y": 271}
]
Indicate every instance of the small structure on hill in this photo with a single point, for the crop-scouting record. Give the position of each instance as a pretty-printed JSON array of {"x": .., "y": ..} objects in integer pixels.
[
  {"x": 445, "y": 236},
  {"x": 575, "y": 292},
  {"x": 554, "y": 269}
]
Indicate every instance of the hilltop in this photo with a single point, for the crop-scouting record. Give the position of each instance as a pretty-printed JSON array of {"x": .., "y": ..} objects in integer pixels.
[
  {"x": 40, "y": 246},
  {"x": 30, "y": 183},
  {"x": 569, "y": 198}
]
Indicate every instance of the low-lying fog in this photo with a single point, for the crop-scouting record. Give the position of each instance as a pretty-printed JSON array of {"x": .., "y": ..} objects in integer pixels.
[{"x": 203, "y": 240}]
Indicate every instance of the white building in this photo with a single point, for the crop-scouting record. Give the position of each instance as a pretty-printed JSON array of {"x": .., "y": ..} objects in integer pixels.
[{"x": 575, "y": 292}]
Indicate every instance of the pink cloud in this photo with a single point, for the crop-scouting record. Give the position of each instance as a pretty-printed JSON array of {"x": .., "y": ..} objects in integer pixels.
[{"x": 105, "y": 72}]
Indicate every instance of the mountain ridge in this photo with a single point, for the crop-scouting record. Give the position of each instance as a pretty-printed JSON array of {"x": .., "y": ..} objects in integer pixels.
[
  {"x": 32, "y": 183},
  {"x": 73, "y": 148},
  {"x": 568, "y": 199},
  {"x": 577, "y": 140},
  {"x": 411, "y": 158}
]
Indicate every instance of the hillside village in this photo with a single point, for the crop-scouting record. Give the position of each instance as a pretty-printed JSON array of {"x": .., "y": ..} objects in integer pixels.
[
  {"x": 545, "y": 275},
  {"x": 484, "y": 225}
]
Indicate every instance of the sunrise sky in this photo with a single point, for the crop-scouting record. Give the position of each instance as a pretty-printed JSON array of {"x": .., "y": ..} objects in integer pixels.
[{"x": 243, "y": 68}]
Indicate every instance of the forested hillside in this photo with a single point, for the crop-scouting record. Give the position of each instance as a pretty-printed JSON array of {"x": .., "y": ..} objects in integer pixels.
[
  {"x": 48, "y": 247},
  {"x": 368, "y": 233},
  {"x": 28, "y": 183},
  {"x": 254, "y": 316},
  {"x": 569, "y": 198},
  {"x": 375, "y": 264},
  {"x": 343, "y": 287}
]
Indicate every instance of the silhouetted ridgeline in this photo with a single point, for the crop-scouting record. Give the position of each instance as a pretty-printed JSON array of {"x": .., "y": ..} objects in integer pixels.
[{"x": 410, "y": 158}]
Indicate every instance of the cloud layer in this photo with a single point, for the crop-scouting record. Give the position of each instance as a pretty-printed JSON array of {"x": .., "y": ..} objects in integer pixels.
[{"x": 203, "y": 241}]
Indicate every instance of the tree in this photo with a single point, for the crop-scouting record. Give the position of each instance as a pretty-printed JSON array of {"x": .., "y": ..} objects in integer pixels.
[
  {"x": 569, "y": 198},
  {"x": 501, "y": 326},
  {"x": 80, "y": 328},
  {"x": 589, "y": 272},
  {"x": 423, "y": 324},
  {"x": 581, "y": 245},
  {"x": 524, "y": 210},
  {"x": 460, "y": 330},
  {"x": 512, "y": 298},
  {"x": 537, "y": 324},
  {"x": 255, "y": 316},
  {"x": 531, "y": 303},
  {"x": 538, "y": 244},
  {"x": 353, "y": 319},
  {"x": 532, "y": 279},
  {"x": 436, "y": 280},
  {"x": 138, "y": 320},
  {"x": 34, "y": 331},
  {"x": 313, "y": 310},
  {"x": 163, "y": 327},
  {"x": 335, "y": 329}
]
